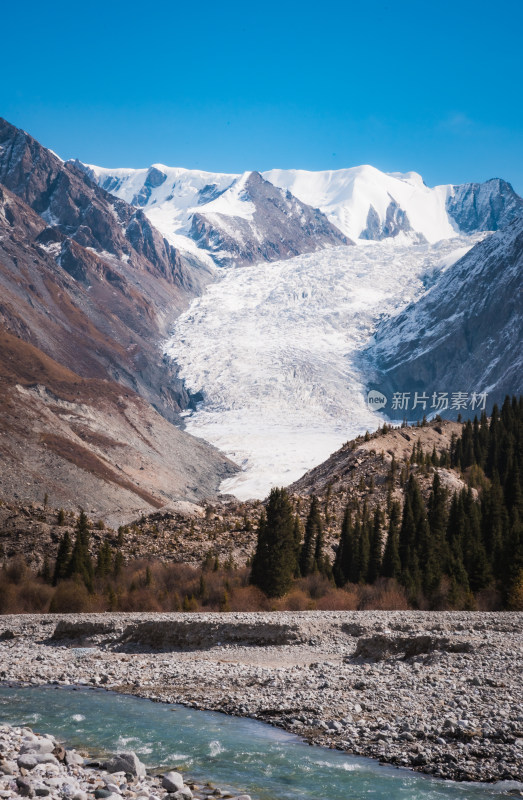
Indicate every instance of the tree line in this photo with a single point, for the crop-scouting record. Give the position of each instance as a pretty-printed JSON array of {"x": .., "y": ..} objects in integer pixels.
[{"x": 459, "y": 543}]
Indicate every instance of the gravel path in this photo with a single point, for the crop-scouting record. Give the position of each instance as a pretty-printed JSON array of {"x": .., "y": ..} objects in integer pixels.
[{"x": 440, "y": 692}]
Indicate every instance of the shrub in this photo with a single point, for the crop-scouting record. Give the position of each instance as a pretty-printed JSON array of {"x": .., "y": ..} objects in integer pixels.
[
  {"x": 70, "y": 597},
  {"x": 338, "y": 600}
]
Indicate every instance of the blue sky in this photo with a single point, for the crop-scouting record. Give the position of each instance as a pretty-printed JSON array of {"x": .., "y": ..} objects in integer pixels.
[{"x": 434, "y": 87}]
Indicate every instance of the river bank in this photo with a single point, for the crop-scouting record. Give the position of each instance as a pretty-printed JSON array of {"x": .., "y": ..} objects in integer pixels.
[
  {"x": 437, "y": 692},
  {"x": 34, "y": 765}
]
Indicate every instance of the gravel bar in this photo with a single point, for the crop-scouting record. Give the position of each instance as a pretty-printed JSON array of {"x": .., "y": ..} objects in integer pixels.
[{"x": 438, "y": 692}]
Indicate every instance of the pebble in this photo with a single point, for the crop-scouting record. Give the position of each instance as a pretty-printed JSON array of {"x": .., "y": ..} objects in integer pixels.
[{"x": 453, "y": 710}]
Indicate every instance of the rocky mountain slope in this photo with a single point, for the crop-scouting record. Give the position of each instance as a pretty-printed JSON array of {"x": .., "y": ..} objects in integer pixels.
[
  {"x": 68, "y": 200},
  {"x": 464, "y": 334},
  {"x": 88, "y": 442},
  {"x": 89, "y": 288}
]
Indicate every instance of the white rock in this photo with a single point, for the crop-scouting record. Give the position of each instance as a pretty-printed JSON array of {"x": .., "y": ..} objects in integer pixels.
[{"x": 172, "y": 781}]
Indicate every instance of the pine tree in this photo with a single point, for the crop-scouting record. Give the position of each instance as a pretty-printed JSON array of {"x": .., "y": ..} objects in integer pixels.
[
  {"x": 434, "y": 547},
  {"x": 321, "y": 563},
  {"x": 298, "y": 537},
  {"x": 62, "y": 559},
  {"x": 391, "y": 566},
  {"x": 118, "y": 563},
  {"x": 104, "y": 561},
  {"x": 274, "y": 562},
  {"x": 313, "y": 531},
  {"x": 80, "y": 563},
  {"x": 345, "y": 552},
  {"x": 375, "y": 549},
  {"x": 363, "y": 549}
]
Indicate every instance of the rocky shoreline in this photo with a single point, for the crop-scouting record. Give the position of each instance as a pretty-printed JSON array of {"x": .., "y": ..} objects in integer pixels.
[
  {"x": 33, "y": 765},
  {"x": 437, "y": 692}
]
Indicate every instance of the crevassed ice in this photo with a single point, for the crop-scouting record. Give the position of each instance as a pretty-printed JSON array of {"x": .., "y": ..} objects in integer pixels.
[{"x": 274, "y": 349}]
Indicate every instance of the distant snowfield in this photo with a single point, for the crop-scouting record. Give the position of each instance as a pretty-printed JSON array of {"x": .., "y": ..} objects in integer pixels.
[{"x": 274, "y": 349}]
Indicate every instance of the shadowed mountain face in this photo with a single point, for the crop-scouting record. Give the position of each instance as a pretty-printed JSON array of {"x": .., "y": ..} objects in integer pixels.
[
  {"x": 81, "y": 309},
  {"x": 88, "y": 290},
  {"x": 87, "y": 253},
  {"x": 487, "y": 206},
  {"x": 68, "y": 200},
  {"x": 464, "y": 334}
]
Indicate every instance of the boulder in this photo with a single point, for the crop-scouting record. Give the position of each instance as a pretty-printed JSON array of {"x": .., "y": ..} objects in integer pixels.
[
  {"x": 182, "y": 794},
  {"x": 126, "y": 762},
  {"x": 172, "y": 781},
  {"x": 27, "y": 761},
  {"x": 24, "y": 787},
  {"x": 37, "y": 746},
  {"x": 72, "y": 758}
]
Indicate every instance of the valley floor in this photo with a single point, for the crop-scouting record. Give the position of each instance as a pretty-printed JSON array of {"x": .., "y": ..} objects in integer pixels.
[{"x": 439, "y": 692}]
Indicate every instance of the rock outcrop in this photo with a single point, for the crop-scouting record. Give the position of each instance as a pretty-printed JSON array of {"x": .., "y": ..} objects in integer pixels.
[
  {"x": 464, "y": 334},
  {"x": 277, "y": 225}
]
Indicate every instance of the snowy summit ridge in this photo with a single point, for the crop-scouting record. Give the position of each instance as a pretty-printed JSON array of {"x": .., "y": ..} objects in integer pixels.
[{"x": 226, "y": 215}]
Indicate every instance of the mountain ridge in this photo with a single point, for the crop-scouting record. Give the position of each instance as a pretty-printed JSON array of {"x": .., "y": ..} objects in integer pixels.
[{"x": 362, "y": 202}]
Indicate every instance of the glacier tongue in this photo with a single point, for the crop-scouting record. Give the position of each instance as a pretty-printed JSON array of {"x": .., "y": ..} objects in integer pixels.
[{"x": 274, "y": 349}]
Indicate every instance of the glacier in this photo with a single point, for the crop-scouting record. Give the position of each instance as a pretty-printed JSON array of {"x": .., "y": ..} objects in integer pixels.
[
  {"x": 274, "y": 348},
  {"x": 306, "y": 267}
]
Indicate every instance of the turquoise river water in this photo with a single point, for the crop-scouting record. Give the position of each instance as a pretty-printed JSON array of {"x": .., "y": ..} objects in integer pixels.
[{"x": 231, "y": 752}]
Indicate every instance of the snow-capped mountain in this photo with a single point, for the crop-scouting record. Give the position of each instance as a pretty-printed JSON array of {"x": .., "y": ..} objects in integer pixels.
[
  {"x": 254, "y": 221},
  {"x": 465, "y": 333},
  {"x": 365, "y": 203},
  {"x": 236, "y": 219},
  {"x": 239, "y": 219},
  {"x": 275, "y": 349}
]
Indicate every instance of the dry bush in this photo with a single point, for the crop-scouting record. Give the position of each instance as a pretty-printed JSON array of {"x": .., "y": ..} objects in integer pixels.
[
  {"x": 70, "y": 597},
  {"x": 16, "y": 571},
  {"x": 384, "y": 595},
  {"x": 7, "y": 598},
  {"x": 180, "y": 578},
  {"x": 295, "y": 600},
  {"x": 248, "y": 598},
  {"x": 143, "y": 599},
  {"x": 214, "y": 589},
  {"x": 489, "y": 599},
  {"x": 33, "y": 596},
  {"x": 315, "y": 585},
  {"x": 338, "y": 600}
]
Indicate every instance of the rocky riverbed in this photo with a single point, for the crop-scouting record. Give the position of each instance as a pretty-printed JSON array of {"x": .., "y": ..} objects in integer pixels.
[
  {"x": 439, "y": 692},
  {"x": 33, "y": 765}
]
